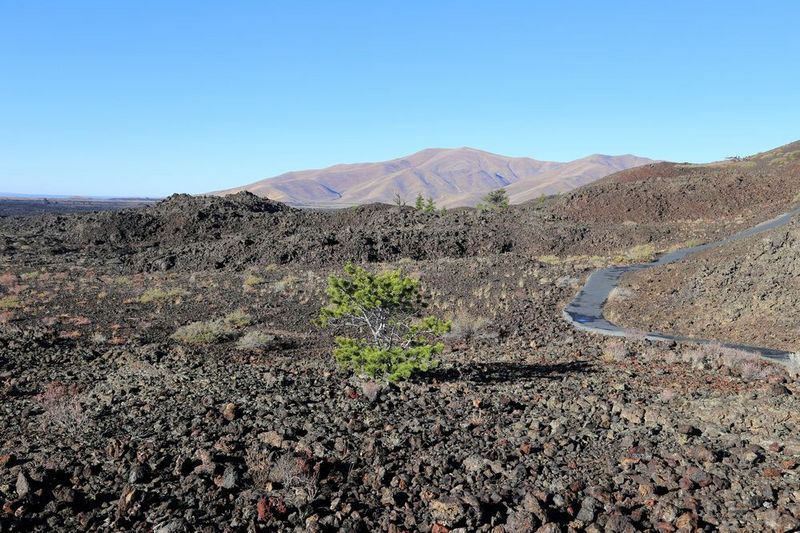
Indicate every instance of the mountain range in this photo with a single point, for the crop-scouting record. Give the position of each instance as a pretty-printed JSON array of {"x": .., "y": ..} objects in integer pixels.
[{"x": 452, "y": 177}]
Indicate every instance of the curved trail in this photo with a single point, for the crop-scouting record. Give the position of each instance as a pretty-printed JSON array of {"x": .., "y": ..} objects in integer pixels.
[{"x": 585, "y": 311}]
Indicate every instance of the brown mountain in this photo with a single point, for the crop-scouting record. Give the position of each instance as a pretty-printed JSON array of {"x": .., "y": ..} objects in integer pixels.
[{"x": 452, "y": 177}]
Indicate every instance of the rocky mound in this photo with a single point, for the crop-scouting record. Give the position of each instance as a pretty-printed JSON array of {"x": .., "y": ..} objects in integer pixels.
[
  {"x": 753, "y": 188},
  {"x": 187, "y": 232},
  {"x": 742, "y": 292},
  {"x": 190, "y": 233}
]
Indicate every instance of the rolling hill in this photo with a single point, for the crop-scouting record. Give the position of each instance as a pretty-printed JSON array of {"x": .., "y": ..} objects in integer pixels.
[{"x": 452, "y": 177}]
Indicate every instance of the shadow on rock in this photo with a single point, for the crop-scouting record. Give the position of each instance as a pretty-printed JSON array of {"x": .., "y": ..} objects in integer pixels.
[{"x": 505, "y": 372}]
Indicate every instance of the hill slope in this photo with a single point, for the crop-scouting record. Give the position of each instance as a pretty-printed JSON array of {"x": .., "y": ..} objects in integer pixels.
[
  {"x": 742, "y": 292},
  {"x": 751, "y": 188},
  {"x": 452, "y": 177}
]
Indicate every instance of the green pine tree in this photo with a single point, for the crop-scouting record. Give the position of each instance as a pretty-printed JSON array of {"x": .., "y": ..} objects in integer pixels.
[
  {"x": 388, "y": 336},
  {"x": 430, "y": 205}
]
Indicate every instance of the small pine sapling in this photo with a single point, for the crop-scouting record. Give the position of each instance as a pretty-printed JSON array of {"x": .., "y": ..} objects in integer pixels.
[{"x": 388, "y": 336}]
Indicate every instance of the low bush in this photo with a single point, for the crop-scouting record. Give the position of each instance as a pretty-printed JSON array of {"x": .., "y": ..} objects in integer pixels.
[
  {"x": 642, "y": 253},
  {"x": 62, "y": 410},
  {"x": 257, "y": 341},
  {"x": 237, "y": 319},
  {"x": 9, "y": 302},
  {"x": 202, "y": 333},
  {"x": 465, "y": 326}
]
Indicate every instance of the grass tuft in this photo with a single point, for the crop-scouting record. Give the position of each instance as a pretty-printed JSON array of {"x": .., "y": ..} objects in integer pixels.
[
  {"x": 202, "y": 333},
  {"x": 257, "y": 341},
  {"x": 237, "y": 319},
  {"x": 9, "y": 302}
]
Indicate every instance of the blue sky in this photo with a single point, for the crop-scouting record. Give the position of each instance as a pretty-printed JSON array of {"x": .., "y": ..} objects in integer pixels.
[{"x": 154, "y": 97}]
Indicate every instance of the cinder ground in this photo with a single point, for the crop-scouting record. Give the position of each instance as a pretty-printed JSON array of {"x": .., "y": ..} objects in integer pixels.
[{"x": 111, "y": 424}]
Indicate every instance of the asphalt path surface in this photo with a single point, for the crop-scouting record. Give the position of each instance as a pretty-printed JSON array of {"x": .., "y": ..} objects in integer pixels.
[{"x": 585, "y": 311}]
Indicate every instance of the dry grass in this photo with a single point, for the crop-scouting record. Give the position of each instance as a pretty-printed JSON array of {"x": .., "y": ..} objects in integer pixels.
[
  {"x": 691, "y": 243},
  {"x": 714, "y": 356},
  {"x": 251, "y": 280},
  {"x": 237, "y": 319},
  {"x": 549, "y": 260},
  {"x": 159, "y": 295},
  {"x": 590, "y": 261},
  {"x": 9, "y": 302},
  {"x": 284, "y": 284},
  {"x": 202, "y": 333},
  {"x": 257, "y": 341},
  {"x": 62, "y": 409},
  {"x": 30, "y": 276},
  {"x": 641, "y": 253},
  {"x": 465, "y": 326}
]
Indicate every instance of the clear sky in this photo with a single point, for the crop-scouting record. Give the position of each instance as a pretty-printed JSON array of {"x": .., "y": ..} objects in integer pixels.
[{"x": 152, "y": 97}]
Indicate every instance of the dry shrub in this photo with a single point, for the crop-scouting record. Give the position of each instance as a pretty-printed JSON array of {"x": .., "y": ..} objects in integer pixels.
[
  {"x": 9, "y": 302},
  {"x": 636, "y": 335},
  {"x": 237, "y": 319},
  {"x": 614, "y": 350},
  {"x": 8, "y": 279},
  {"x": 259, "y": 464},
  {"x": 667, "y": 395},
  {"x": 62, "y": 409},
  {"x": 371, "y": 390},
  {"x": 465, "y": 326},
  {"x": 713, "y": 356},
  {"x": 753, "y": 370},
  {"x": 298, "y": 477},
  {"x": 77, "y": 320},
  {"x": 257, "y": 341},
  {"x": 202, "y": 333},
  {"x": 641, "y": 253}
]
